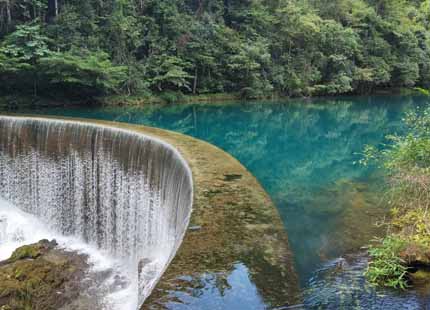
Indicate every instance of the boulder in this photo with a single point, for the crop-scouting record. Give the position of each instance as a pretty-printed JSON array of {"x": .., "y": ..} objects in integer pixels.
[
  {"x": 41, "y": 276},
  {"x": 415, "y": 254}
]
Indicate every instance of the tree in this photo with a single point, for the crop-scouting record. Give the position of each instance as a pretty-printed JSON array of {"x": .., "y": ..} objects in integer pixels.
[
  {"x": 25, "y": 59},
  {"x": 89, "y": 74},
  {"x": 23, "y": 50},
  {"x": 168, "y": 73},
  {"x": 291, "y": 47}
]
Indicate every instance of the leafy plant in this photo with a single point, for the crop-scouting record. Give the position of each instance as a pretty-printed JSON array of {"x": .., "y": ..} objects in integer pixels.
[
  {"x": 171, "y": 97},
  {"x": 26, "y": 43},
  {"x": 386, "y": 268},
  {"x": 423, "y": 91},
  {"x": 92, "y": 72},
  {"x": 168, "y": 72},
  {"x": 406, "y": 159}
]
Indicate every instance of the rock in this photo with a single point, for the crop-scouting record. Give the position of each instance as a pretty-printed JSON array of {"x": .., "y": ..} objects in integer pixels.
[
  {"x": 41, "y": 277},
  {"x": 32, "y": 251},
  {"x": 420, "y": 277},
  {"x": 415, "y": 254},
  {"x": 420, "y": 281}
]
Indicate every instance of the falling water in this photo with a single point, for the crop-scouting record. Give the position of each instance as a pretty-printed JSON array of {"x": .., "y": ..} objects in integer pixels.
[{"x": 124, "y": 193}]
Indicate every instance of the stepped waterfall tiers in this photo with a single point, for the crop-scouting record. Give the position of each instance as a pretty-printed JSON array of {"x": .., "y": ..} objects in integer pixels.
[
  {"x": 125, "y": 193},
  {"x": 152, "y": 208}
]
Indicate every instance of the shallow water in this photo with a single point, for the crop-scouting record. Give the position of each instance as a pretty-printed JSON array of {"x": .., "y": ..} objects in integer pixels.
[{"x": 304, "y": 153}]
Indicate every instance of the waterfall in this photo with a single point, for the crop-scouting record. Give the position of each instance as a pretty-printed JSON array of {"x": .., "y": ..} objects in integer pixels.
[{"x": 118, "y": 190}]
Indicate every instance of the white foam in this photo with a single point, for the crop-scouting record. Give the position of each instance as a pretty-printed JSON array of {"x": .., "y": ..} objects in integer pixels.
[{"x": 18, "y": 228}]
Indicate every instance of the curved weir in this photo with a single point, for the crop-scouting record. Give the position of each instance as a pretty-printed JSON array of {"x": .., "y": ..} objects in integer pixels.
[{"x": 122, "y": 191}]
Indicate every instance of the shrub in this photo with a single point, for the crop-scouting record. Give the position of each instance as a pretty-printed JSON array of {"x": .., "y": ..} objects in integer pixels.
[
  {"x": 386, "y": 268},
  {"x": 171, "y": 97}
]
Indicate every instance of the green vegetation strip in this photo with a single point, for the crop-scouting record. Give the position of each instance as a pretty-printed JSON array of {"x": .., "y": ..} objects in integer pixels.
[
  {"x": 85, "y": 49},
  {"x": 406, "y": 249}
]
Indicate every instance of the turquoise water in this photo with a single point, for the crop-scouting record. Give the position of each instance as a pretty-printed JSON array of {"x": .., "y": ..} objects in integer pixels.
[{"x": 304, "y": 153}]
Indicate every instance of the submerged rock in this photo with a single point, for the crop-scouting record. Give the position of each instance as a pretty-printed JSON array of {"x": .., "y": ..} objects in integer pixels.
[
  {"x": 421, "y": 277},
  {"x": 42, "y": 276}
]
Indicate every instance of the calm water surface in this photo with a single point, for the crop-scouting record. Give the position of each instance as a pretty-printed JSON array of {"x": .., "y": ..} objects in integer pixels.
[{"x": 305, "y": 155}]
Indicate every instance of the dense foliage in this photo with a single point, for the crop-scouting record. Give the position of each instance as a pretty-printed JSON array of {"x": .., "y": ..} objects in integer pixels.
[
  {"x": 251, "y": 47},
  {"x": 407, "y": 163}
]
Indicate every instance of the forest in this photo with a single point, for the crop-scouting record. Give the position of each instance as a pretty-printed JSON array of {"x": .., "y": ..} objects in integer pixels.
[{"x": 253, "y": 48}]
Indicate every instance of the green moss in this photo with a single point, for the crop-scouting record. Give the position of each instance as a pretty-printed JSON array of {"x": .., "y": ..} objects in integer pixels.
[
  {"x": 32, "y": 277},
  {"x": 421, "y": 276},
  {"x": 26, "y": 252}
]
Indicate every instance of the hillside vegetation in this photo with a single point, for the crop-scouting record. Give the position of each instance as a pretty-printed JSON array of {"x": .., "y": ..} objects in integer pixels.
[{"x": 89, "y": 48}]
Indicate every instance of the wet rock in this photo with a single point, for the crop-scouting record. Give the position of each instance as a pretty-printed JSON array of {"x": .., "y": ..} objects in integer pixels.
[
  {"x": 420, "y": 277},
  {"x": 32, "y": 251},
  {"x": 415, "y": 254},
  {"x": 41, "y": 276}
]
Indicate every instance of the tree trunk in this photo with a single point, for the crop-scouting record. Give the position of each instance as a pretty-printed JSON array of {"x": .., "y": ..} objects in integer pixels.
[
  {"x": 52, "y": 10},
  {"x": 199, "y": 10},
  {"x": 8, "y": 14},
  {"x": 195, "y": 82},
  {"x": 32, "y": 11},
  {"x": 35, "y": 88}
]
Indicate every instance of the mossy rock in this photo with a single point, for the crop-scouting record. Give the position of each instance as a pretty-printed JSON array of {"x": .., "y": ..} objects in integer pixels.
[
  {"x": 32, "y": 251},
  {"x": 421, "y": 276},
  {"x": 420, "y": 280},
  {"x": 416, "y": 254},
  {"x": 41, "y": 276}
]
